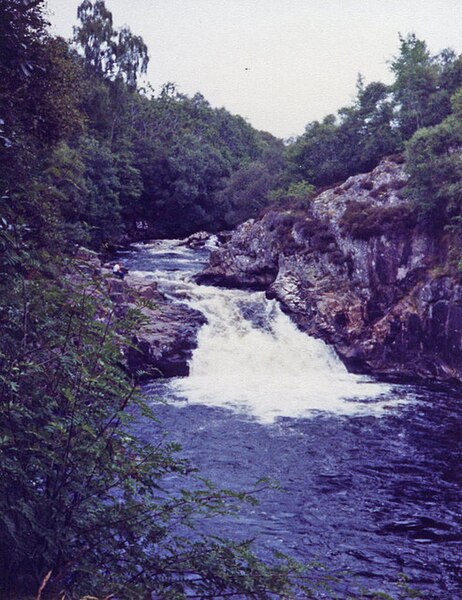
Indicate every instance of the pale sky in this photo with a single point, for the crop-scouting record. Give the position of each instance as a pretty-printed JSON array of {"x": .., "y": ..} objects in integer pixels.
[{"x": 278, "y": 63}]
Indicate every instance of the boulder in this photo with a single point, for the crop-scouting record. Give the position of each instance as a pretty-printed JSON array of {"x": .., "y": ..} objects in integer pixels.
[
  {"x": 197, "y": 240},
  {"x": 167, "y": 331},
  {"x": 246, "y": 261},
  {"x": 165, "y": 342},
  {"x": 167, "y": 334}
]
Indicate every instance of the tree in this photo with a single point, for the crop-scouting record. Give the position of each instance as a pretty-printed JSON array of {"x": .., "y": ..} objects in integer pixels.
[
  {"x": 108, "y": 52},
  {"x": 22, "y": 28},
  {"x": 39, "y": 98},
  {"x": 131, "y": 56},
  {"x": 185, "y": 151},
  {"x": 245, "y": 193},
  {"x": 102, "y": 210},
  {"x": 381, "y": 118},
  {"x": 316, "y": 155},
  {"x": 416, "y": 85},
  {"x": 376, "y": 135},
  {"x": 434, "y": 163}
]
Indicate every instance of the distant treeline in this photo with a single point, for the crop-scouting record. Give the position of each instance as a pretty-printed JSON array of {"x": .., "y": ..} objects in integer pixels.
[{"x": 88, "y": 154}]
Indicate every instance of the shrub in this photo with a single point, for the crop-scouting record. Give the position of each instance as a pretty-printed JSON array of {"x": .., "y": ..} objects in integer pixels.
[
  {"x": 80, "y": 496},
  {"x": 296, "y": 196},
  {"x": 363, "y": 221}
]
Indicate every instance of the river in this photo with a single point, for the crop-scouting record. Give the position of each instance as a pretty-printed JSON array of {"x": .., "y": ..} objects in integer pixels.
[{"x": 370, "y": 481}]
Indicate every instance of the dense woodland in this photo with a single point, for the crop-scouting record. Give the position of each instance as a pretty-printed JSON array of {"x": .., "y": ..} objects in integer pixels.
[{"x": 89, "y": 157}]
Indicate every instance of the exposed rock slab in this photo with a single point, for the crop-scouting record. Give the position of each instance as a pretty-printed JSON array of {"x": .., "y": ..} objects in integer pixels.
[
  {"x": 376, "y": 296},
  {"x": 167, "y": 334}
]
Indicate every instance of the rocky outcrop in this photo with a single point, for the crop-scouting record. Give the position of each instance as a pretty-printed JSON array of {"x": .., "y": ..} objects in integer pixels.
[
  {"x": 167, "y": 331},
  {"x": 166, "y": 334},
  {"x": 197, "y": 240},
  {"x": 248, "y": 260},
  {"x": 351, "y": 266}
]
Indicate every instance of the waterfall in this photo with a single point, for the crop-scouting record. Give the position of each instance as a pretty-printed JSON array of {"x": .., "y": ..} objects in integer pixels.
[
  {"x": 250, "y": 356},
  {"x": 356, "y": 489}
]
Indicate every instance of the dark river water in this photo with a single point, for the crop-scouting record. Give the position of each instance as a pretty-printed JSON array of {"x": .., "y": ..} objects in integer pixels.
[{"x": 370, "y": 477}]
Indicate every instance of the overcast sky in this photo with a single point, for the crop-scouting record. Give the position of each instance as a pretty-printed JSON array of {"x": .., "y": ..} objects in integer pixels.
[{"x": 278, "y": 63}]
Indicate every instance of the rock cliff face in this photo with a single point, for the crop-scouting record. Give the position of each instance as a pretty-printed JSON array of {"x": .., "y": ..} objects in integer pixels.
[{"x": 352, "y": 268}]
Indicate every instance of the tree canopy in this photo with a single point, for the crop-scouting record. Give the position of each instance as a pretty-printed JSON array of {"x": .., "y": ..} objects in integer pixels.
[
  {"x": 381, "y": 118},
  {"x": 109, "y": 52}
]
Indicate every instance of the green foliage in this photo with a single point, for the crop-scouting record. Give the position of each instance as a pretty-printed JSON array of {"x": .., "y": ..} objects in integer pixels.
[
  {"x": 186, "y": 153},
  {"x": 80, "y": 495},
  {"x": 22, "y": 28},
  {"x": 54, "y": 94},
  {"x": 66, "y": 187},
  {"x": 108, "y": 52},
  {"x": 315, "y": 156},
  {"x": 369, "y": 127},
  {"x": 245, "y": 193},
  {"x": 39, "y": 95},
  {"x": 174, "y": 154},
  {"x": 423, "y": 84},
  {"x": 295, "y": 191},
  {"x": 354, "y": 142},
  {"x": 248, "y": 189},
  {"x": 381, "y": 118},
  {"x": 102, "y": 210},
  {"x": 130, "y": 181},
  {"x": 434, "y": 163},
  {"x": 196, "y": 169},
  {"x": 363, "y": 221},
  {"x": 416, "y": 78},
  {"x": 39, "y": 81}
]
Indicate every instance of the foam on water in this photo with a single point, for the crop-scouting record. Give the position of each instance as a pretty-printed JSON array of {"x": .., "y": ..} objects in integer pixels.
[{"x": 252, "y": 358}]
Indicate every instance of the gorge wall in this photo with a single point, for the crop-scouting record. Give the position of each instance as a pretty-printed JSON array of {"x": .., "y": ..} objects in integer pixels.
[{"x": 352, "y": 267}]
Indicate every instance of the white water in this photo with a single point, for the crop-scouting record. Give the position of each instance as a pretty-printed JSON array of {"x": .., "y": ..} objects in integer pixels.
[{"x": 252, "y": 358}]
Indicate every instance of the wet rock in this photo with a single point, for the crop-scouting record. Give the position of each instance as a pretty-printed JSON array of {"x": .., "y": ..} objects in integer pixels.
[
  {"x": 167, "y": 335},
  {"x": 87, "y": 262},
  {"x": 248, "y": 260},
  {"x": 165, "y": 342},
  {"x": 223, "y": 237},
  {"x": 167, "y": 332},
  {"x": 369, "y": 291},
  {"x": 197, "y": 240}
]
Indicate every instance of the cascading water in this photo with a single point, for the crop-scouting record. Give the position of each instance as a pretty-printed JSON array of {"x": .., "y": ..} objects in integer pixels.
[
  {"x": 252, "y": 358},
  {"x": 369, "y": 473}
]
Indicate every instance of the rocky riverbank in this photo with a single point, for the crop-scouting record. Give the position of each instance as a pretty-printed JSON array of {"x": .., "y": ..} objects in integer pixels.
[
  {"x": 352, "y": 267},
  {"x": 167, "y": 333},
  {"x": 167, "y": 336}
]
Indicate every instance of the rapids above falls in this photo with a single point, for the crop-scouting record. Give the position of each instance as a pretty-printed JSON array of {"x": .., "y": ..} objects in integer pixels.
[{"x": 369, "y": 473}]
